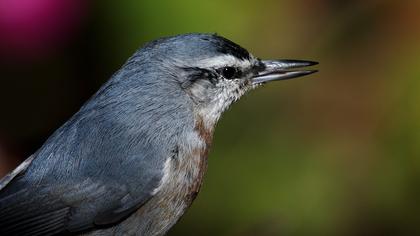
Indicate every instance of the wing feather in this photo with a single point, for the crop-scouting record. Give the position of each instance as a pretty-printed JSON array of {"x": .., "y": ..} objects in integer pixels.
[{"x": 48, "y": 210}]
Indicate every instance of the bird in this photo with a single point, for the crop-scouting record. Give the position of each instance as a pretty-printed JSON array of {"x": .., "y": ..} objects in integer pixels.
[{"x": 132, "y": 160}]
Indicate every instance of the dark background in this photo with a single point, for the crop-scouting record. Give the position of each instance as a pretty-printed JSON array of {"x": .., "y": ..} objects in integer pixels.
[{"x": 335, "y": 153}]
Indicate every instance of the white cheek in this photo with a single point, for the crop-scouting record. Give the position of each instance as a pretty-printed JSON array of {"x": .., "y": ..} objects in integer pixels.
[
  {"x": 200, "y": 89},
  {"x": 221, "y": 101}
]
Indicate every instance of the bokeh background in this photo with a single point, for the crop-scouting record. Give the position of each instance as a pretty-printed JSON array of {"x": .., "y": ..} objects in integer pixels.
[{"x": 335, "y": 153}]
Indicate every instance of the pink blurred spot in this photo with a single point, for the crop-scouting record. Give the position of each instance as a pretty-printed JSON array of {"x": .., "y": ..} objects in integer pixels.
[{"x": 30, "y": 27}]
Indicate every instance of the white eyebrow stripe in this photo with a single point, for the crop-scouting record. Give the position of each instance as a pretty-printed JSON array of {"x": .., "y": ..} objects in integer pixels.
[{"x": 221, "y": 61}]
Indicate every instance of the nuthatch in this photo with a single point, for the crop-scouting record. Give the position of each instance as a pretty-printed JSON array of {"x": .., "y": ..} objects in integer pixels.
[{"x": 132, "y": 159}]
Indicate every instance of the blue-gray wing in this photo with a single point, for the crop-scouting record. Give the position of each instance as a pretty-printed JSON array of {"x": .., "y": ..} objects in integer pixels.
[
  {"x": 50, "y": 195},
  {"x": 104, "y": 163},
  {"x": 18, "y": 171},
  {"x": 50, "y": 209}
]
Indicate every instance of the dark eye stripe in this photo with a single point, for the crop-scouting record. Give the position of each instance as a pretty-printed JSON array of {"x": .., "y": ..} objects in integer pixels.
[
  {"x": 196, "y": 73},
  {"x": 228, "y": 72}
]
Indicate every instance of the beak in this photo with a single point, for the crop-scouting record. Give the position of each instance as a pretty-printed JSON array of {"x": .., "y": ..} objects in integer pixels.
[{"x": 281, "y": 69}]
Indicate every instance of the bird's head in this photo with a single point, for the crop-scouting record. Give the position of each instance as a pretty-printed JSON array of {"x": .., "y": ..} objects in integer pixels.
[{"x": 215, "y": 72}]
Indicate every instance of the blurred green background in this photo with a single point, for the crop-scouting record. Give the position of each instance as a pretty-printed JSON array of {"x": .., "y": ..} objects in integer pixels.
[{"x": 335, "y": 153}]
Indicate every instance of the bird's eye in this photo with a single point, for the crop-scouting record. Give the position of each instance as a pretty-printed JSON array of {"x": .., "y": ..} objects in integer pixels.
[{"x": 228, "y": 72}]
